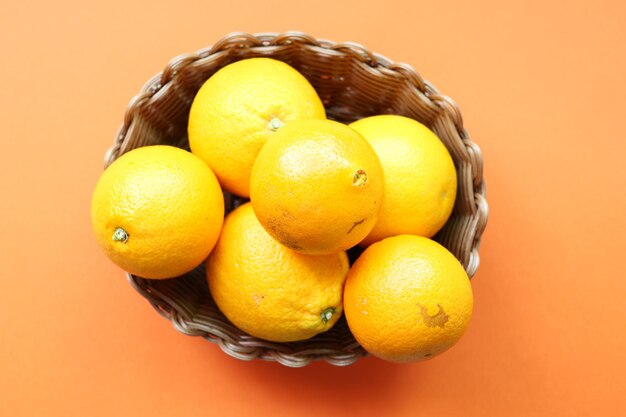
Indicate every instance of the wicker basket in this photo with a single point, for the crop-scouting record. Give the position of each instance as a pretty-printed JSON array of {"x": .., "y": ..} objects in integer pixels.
[{"x": 353, "y": 83}]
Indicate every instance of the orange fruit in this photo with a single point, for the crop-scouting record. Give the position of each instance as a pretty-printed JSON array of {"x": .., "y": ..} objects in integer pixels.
[
  {"x": 268, "y": 290},
  {"x": 239, "y": 108},
  {"x": 317, "y": 186},
  {"x": 420, "y": 178},
  {"x": 407, "y": 299},
  {"x": 157, "y": 211}
]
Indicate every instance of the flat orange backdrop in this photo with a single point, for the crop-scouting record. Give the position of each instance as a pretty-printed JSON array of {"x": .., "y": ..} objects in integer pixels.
[{"x": 542, "y": 89}]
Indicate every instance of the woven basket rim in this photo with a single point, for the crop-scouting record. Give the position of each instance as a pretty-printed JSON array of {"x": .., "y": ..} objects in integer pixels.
[{"x": 440, "y": 104}]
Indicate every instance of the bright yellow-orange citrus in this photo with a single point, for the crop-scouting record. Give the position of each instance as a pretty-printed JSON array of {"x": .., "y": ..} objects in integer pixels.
[
  {"x": 157, "y": 211},
  {"x": 420, "y": 177},
  {"x": 239, "y": 108},
  {"x": 317, "y": 186},
  {"x": 268, "y": 290},
  {"x": 407, "y": 298}
]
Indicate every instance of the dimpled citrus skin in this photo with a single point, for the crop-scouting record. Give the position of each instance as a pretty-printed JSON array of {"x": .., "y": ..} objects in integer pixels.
[
  {"x": 268, "y": 290},
  {"x": 407, "y": 298},
  {"x": 169, "y": 204},
  {"x": 317, "y": 186},
  {"x": 239, "y": 108},
  {"x": 420, "y": 177}
]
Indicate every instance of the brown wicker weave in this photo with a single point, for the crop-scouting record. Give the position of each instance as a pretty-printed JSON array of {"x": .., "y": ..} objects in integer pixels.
[{"x": 353, "y": 83}]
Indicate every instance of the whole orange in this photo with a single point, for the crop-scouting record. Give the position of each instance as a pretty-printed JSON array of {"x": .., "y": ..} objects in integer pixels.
[
  {"x": 239, "y": 108},
  {"x": 157, "y": 211},
  {"x": 420, "y": 177},
  {"x": 268, "y": 290},
  {"x": 317, "y": 186},
  {"x": 407, "y": 298}
]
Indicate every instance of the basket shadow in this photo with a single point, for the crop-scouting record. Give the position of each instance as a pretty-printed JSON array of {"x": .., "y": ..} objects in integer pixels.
[{"x": 370, "y": 383}]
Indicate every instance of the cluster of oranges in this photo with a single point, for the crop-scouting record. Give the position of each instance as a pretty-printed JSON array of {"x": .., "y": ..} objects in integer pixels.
[{"x": 277, "y": 265}]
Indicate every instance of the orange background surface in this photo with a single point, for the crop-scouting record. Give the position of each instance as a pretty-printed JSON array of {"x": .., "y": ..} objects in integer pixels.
[{"x": 542, "y": 89}]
